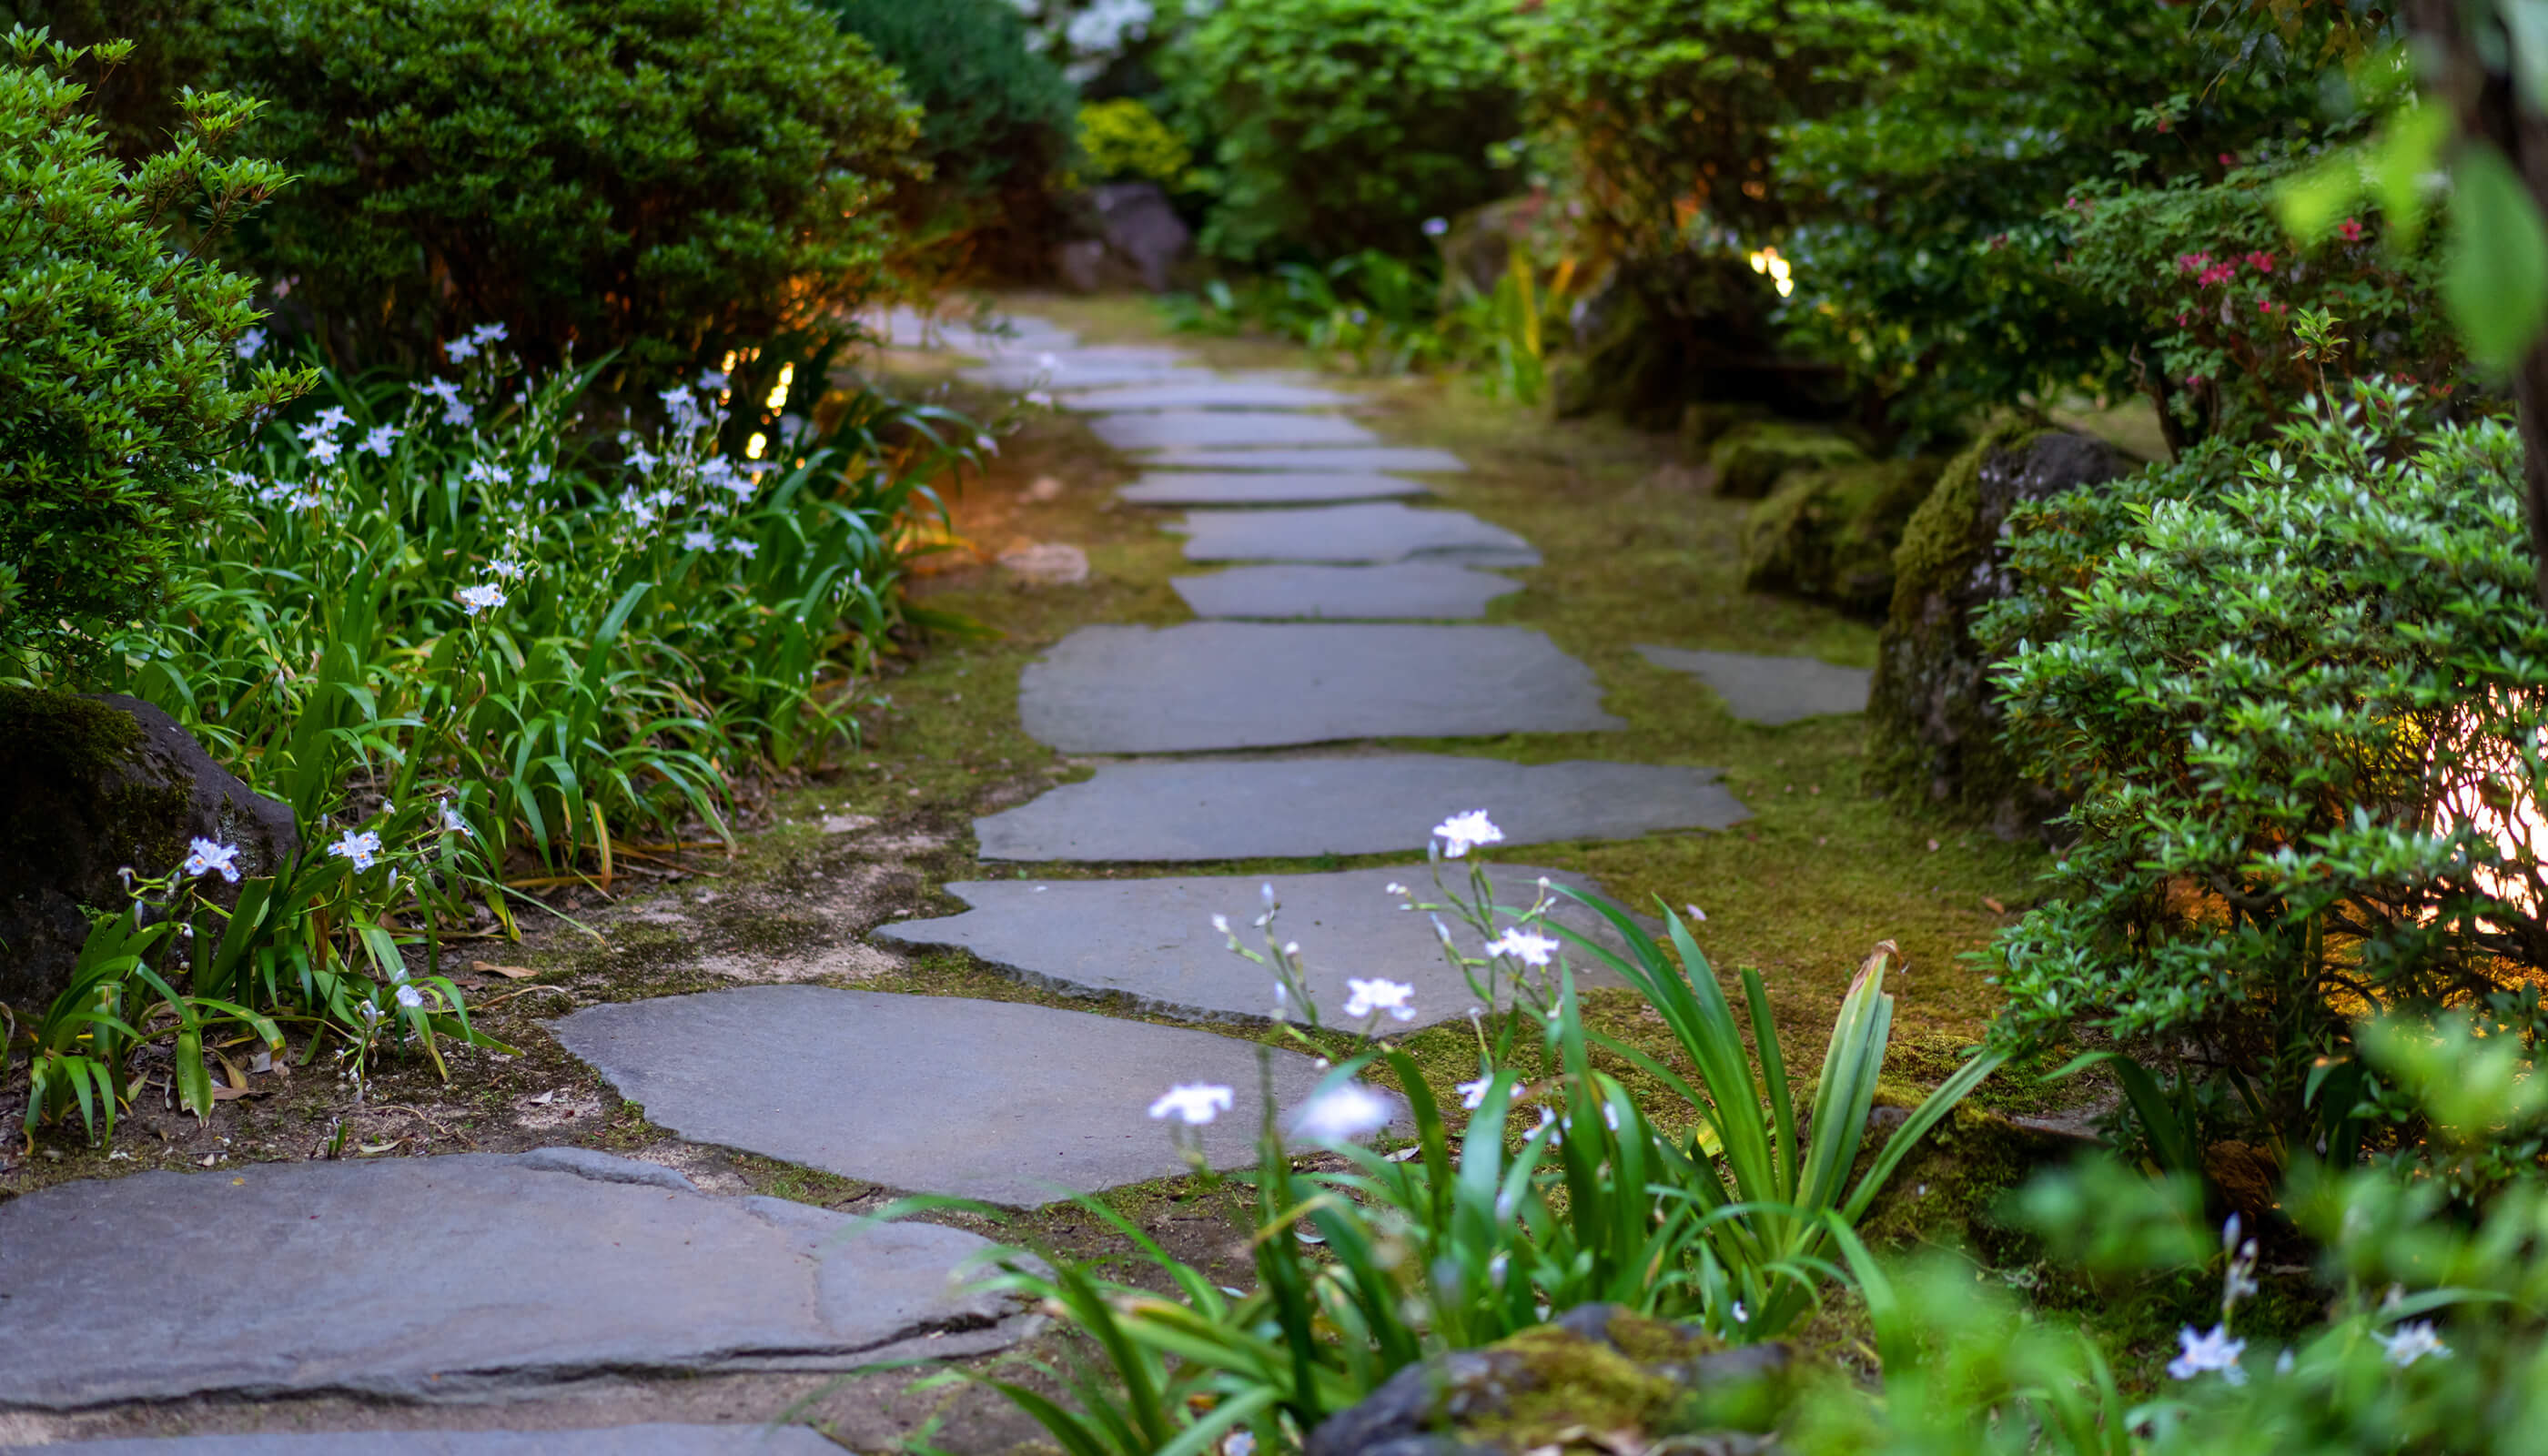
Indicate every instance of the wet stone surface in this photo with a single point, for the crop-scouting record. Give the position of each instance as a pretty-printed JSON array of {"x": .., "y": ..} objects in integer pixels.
[
  {"x": 1380, "y": 804},
  {"x": 1240, "y": 393},
  {"x": 1350, "y": 459},
  {"x": 1268, "y": 488},
  {"x": 472, "y": 1274},
  {"x": 1208, "y": 429},
  {"x": 1376, "y": 531},
  {"x": 1003, "y": 1101},
  {"x": 1769, "y": 690},
  {"x": 1119, "y": 690},
  {"x": 1414, "y": 591},
  {"x": 1152, "y": 940}
]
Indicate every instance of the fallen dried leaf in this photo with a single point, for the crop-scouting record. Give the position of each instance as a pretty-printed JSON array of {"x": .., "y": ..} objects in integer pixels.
[
  {"x": 1996, "y": 908},
  {"x": 510, "y": 972}
]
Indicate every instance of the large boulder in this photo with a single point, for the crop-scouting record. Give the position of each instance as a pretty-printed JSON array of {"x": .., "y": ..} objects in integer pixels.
[
  {"x": 1596, "y": 1368},
  {"x": 1934, "y": 726},
  {"x": 88, "y": 787},
  {"x": 1478, "y": 245},
  {"x": 1750, "y": 460},
  {"x": 1828, "y": 534},
  {"x": 1646, "y": 340},
  {"x": 1142, "y": 233}
]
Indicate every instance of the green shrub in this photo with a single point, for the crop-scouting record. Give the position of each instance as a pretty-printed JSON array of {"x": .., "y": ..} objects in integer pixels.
[
  {"x": 670, "y": 179},
  {"x": 1344, "y": 125},
  {"x": 118, "y": 345},
  {"x": 2300, "y": 692},
  {"x": 1125, "y": 140},
  {"x": 996, "y": 127},
  {"x": 1829, "y": 533}
]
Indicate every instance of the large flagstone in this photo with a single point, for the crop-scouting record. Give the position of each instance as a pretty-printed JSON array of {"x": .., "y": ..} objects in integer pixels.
[
  {"x": 1372, "y": 804},
  {"x": 1352, "y": 459},
  {"x": 1368, "y": 531},
  {"x": 997, "y": 1100},
  {"x": 1154, "y": 941},
  {"x": 1218, "y": 394},
  {"x": 1267, "y": 487},
  {"x": 1119, "y": 690},
  {"x": 421, "y": 1278},
  {"x": 1769, "y": 690},
  {"x": 1412, "y": 590},
  {"x": 652, "y": 1439},
  {"x": 1210, "y": 430}
]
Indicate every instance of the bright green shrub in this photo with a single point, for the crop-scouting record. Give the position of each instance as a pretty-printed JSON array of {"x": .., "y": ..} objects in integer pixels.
[
  {"x": 670, "y": 179},
  {"x": 1343, "y": 125},
  {"x": 2296, "y": 690},
  {"x": 118, "y": 346},
  {"x": 996, "y": 125},
  {"x": 1125, "y": 140}
]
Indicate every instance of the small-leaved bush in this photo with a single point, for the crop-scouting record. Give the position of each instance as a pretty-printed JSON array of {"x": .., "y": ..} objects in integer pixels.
[
  {"x": 662, "y": 181},
  {"x": 1343, "y": 125},
  {"x": 2300, "y": 691},
  {"x": 117, "y": 347}
]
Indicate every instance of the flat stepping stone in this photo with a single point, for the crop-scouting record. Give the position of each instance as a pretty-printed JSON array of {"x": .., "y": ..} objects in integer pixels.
[
  {"x": 1205, "y": 430},
  {"x": 1203, "y": 685},
  {"x": 1026, "y": 371},
  {"x": 1293, "y": 808},
  {"x": 1196, "y": 488},
  {"x": 614, "y": 1440},
  {"x": 1152, "y": 940},
  {"x": 1214, "y": 394},
  {"x": 451, "y": 1277},
  {"x": 1346, "y": 459},
  {"x": 1769, "y": 690},
  {"x": 1414, "y": 591},
  {"x": 1002, "y": 1101},
  {"x": 1370, "y": 532}
]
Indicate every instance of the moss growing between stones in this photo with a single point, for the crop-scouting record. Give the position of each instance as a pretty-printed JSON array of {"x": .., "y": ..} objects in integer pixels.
[
  {"x": 1829, "y": 533},
  {"x": 1751, "y": 459},
  {"x": 1569, "y": 1383}
]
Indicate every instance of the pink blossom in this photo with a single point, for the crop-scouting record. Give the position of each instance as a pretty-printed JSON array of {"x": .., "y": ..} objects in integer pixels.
[
  {"x": 2351, "y": 231},
  {"x": 2261, "y": 262}
]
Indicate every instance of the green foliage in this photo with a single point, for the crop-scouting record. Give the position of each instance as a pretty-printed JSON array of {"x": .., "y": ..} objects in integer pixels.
[
  {"x": 667, "y": 179},
  {"x": 1125, "y": 140},
  {"x": 996, "y": 124},
  {"x": 115, "y": 349},
  {"x": 2300, "y": 692},
  {"x": 1343, "y": 125}
]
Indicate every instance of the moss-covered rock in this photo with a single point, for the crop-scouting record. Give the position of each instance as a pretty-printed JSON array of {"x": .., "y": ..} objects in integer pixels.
[
  {"x": 1751, "y": 460},
  {"x": 1934, "y": 729},
  {"x": 1828, "y": 533},
  {"x": 92, "y": 786},
  {"x": 1581, "y": 1383}
]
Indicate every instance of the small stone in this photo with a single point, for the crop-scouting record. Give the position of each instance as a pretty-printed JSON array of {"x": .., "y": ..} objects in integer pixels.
[
  {"x": 1046, "y": 564},
  {"x": 1769, "y": 690},
  {"x": 1046, "y": 488}
]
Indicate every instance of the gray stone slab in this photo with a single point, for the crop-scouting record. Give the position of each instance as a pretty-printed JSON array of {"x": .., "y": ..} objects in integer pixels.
[
  {"x": 614, "y": 1440},
  {"x": 1026, "y": 371},
  {"x": 1290, "y": 808},
  {"x": 1769, "y": 690},
  {"x": 1115, "y": 689},
  {"x": 1412, "y": 591},
  {"x": 1366, "y": 532},
  {"x": 447, "y": 1278},
  {"x": 1214, "y": 394},
  {"x": 907, "y": 328},
  {"x": 1347, "y": 459},
  {"x": 1249, "y": 487},
  {"x": 1010, "y": 1103},
  {"x": 1152, "y": 940},
  {"x": 1208, "y": 429}
]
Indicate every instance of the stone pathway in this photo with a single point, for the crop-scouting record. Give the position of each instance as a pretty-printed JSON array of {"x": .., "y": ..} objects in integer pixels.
[{"x": 1347, "y": 616}]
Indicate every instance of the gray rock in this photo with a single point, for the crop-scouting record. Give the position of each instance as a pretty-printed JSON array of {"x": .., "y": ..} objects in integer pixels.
[
  {"x": 1218, "y": 394},
  {"x": 1196, "y": 488},
  {"x": 908, "y": 328},
  {"x": 1117, "y": 689},
  {"x": 1152, "y": 940},
  {"x": 1068, "y": 371},
  {"x": 1002, "y": 1101},
  {"x": 614, "y": 1440},
  {"x": 1768, "y": 691},
  {"x": 1142, "y": 230},
  {"x": 1290, "y": 808},
  {"x": 1369, "y": 531},
  {"x": 1080, "y": 264},
  {"x": 1346, "y": 459},
  {"x": 91, "y": 785},
  {"x": 1412, "y": 591},
  {"x": 449, "y": 1278},
  {"x": 1217, "y": 429}
]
